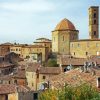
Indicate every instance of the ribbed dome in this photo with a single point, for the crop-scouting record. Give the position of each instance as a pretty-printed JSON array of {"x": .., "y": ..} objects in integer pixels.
[{"x": 65, "y": 24}]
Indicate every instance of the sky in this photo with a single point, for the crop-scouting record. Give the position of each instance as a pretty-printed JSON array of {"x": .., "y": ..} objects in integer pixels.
[{"x": 23, "y": 21}]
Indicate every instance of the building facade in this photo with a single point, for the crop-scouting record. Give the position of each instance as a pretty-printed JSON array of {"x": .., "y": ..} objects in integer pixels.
[
  {"x": 5, "y": 48},
  {"x": 44, "y": 42},
  {"x": 62, "y": 35},
  {"x": 65, "y": 37},
  {"x": 27, "y": 51}
]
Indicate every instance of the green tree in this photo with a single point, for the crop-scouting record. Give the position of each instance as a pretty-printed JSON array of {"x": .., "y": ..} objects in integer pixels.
[
  {"x": 52, "y": 63},
  {"x": 82, "y": 92}
]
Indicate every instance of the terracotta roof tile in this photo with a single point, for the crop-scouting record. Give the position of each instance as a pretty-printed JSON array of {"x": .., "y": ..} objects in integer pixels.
[
  {"x": 72, "y": 61},
  {"x": 75, "y": 77},
  {"x": 77, "y": 61},
  {"x": 19, "y": 74},
  {"x": 65, "y": 24},
  {"x": 50, "y": 70},
  {"x": 8, "y": 89},
  {"x": 5, "y": 64},
  {"x": 32, "y": 67}
]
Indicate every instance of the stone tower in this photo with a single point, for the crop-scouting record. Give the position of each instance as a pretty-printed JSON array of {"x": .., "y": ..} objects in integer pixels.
[
  {"x": 62, "y": 35},
  {"x": 94, "y": 22}
]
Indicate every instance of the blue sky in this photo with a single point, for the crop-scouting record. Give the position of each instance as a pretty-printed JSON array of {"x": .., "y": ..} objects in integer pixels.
[{"x": 25, "y": 20}]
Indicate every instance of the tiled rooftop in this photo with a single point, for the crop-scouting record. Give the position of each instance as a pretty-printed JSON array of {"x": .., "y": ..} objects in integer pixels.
[
  {"x": 50, "y": 70},
  {"x": 5, "y": 64},
  {"x": 32, "y": 67},
  {"x": 75, "y": 77},
  {"x": 8, "y": 89}
]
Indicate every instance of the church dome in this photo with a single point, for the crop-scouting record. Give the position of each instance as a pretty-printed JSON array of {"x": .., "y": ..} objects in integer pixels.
[{"x": 65, "y": 24}]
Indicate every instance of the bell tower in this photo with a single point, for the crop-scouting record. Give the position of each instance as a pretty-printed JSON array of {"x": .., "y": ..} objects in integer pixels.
[{"x": 94, "y": 22}]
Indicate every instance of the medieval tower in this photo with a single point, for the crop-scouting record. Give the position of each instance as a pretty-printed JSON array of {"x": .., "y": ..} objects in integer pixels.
[{"x": 94, "y": 22}]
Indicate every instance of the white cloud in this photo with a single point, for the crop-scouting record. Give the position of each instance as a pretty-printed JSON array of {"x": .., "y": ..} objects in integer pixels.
[
  {"x": 29, "y": 6},
  {"x": 25, "y": 20}
]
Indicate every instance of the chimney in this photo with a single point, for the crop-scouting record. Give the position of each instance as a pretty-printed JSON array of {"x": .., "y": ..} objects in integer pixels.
[{"x": 98, "y": 82}]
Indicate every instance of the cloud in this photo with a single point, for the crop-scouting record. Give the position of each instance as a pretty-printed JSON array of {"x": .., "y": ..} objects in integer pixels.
[
  {"x": 26, "y": 20},
  {"x": 28, "y": 6}
]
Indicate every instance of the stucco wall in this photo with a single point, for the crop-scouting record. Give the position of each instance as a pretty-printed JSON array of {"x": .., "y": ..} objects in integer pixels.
[
  {"x": 79, "y": 48},
  {"x": 61, "y": 41},
  {"x": 31, "y": 80}
]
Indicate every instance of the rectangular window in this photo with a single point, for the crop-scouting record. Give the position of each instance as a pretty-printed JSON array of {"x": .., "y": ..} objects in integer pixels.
[
  {"x": 44, "y": 77},
  {"x": 72, "y": 45},
  {"x": 94, "y": 32},
  {"x": 78, "y": 45},
  {"x": 37, "y": 75},
  {"x": 15, "y": 81},
  {"x": 94, "y": 15},
  {"x": 35, "y": 95},
  {"x": 63, "y": 38},
  {"x": 32, "y": 76},
  {"x": 54, "y": 39},
  {"x": 32, "y": 84},
  {"x": 94, "y": 21},
  {"x": 87, "y": 44},
  {"x": 97, "y": 45},
  {"x": 86, "y": 53},
  {"x": 9, "y": 82},
  {"x": 74, "y": 53}
]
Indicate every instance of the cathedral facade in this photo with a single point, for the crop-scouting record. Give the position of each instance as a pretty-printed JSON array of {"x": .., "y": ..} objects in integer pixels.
[{"x": 65, "y": 37}]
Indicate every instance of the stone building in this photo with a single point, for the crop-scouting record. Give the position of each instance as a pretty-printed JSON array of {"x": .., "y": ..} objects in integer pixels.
[
  {"x": 27, "y": 51},
  {"x": 18, "y": 78},
  {"x": 62, "y": 35},
  {"x": 41, "y": 51},
  {"x": 65, "y": 39},
  {"x": 16, "y": 49},
  {"x": 6, "y": 67},
  {"x": 36, "y": 75},
  {"x": 17, "y": 92},
  {"x": 44, "y": 42},
  {"x": 5, "y": 48},
  {"x": 88, "y": 47}
]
